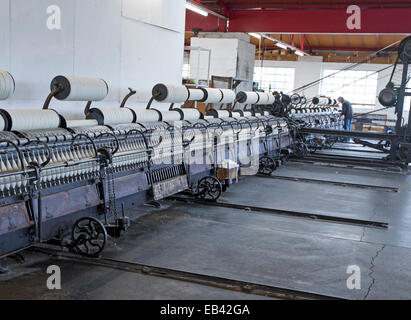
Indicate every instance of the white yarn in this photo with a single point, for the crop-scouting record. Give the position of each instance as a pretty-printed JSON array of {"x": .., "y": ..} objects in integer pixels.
[
  {"x": 271, "y": 98},
  {"x": 6, "y": 85},
  {"x": 322, "y": 101},
  {"x": 170, "y": 115},
  {"x": 33, "y": 119},
  {"x": 81, "y": 123},
  {"x": 196, "y": 94},
  {"x": 147, "y": 116},
  {"x": 2, "y": 123},
  {"x": 113, "y": 116},
  {"x": 228, "y": 96},
  {"x": 214, "y": 95},
  {"x": 252, "y": 97},
  {"x": 265, "y": 98},
  {"x": 175, "y": 94},
  {"x": 86, "y": 89},
  {"x": 191, "y": 114},
  {"x": 223, "y": 114}
]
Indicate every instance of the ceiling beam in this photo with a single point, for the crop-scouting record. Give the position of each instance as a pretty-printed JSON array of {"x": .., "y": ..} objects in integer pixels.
[
  {"x": 326, "y": 4},
  {"x": 333, "y": 48},
  {"x": 226, "y": 9},
  {"x": 308, "y": 43},
  {"x": 383, "y": 20}
]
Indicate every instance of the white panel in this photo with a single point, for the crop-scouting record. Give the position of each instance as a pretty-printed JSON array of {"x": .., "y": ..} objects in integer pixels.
[
  {"x": 94, "y": 41},
  {"x": 98, "y": 42},
  {"x": 157, "y": 57},
  {"x": 245, "y": 66},
  {"x": 224, "y": 53},
  {"x": 39, "y": 54},
  {"x": 163, "y": 13},
  {"x": 4, "y": 35}
]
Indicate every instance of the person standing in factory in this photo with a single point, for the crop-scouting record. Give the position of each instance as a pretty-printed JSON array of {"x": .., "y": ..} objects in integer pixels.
[{"x": 347, "y": 113}]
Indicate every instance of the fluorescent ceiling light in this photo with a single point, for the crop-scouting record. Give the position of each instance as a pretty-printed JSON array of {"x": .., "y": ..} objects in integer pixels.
[
  {"x": 299, "y": 53},
  {"x": 255, "y": 35},
  {"x": 196, "y": 9},
  {"x": 281, "y": 45}
]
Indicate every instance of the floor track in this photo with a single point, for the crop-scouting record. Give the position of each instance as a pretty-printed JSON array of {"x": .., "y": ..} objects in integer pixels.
[
  {"x": 206, "y": 280},
  {"x": 335, "y": 183},
  {"x": 312, "y": 216}
]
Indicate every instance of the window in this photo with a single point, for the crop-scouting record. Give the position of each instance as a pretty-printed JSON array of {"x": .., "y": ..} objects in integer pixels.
[
  {"x": 272, "y": 79},
  {"x": 358, "y": 87},
  {"x": 186, "y": 71}
]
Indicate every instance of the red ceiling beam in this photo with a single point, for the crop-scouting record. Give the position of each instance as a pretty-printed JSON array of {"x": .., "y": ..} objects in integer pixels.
[
  {"x": 329, "y": 4},
  {"x": 324, "y": 48},
  {"x": 319, "y": 21},
  {"x": 226, "y": 9},
  {"x": 209, "y": 23}
]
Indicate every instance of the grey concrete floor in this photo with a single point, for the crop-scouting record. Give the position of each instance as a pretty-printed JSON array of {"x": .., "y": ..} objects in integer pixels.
[{"x": 290, "y": 252}]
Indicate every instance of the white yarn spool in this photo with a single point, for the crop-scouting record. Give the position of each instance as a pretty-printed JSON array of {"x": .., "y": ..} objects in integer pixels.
[
  {"x": 228, "y": 96},
  {"x": 248, "y": 97},
  {"x": 7, "y": 85},
  {"x": 80, "y": 89},
  {"x": 271, "y": 98},
  {"x": 170, "y": 116},
  {"x": 81, "y": 123},
  {"x": 32, "y": 119},
  {"x": 196, "y": 94},
  {"x": 263, "y": 98},
  {"x": 2, "y": 123},
  {"x": 113, "y": 116},
  {"x": 236, "y": 114},
  {"x": 320, "y": 101},
  {"x": 223, "y": 114},
  {"x": 247, "y": 114},
  {"x": 191, "y": 114},
  {"x": 147, "y": 116},
  {"x": 213, "y": 95},
  {"x": 168, "y": 93}
]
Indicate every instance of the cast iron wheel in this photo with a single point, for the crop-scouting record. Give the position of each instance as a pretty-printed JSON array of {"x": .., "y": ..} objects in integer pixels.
[
  {"x": 89, "y": 237},
  {"x": 267, "y": 166},
  {"x": 209, "y": 188}
]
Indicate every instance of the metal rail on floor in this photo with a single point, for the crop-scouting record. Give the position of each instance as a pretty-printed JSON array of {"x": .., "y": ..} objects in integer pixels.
[
  {"x": 360, "y": 161},
  {"x": 335, "y": 183},
  {"x": 201, "y": 279},
  {"x": 355, "y": 150},
  {"x": 311, "y": 216},
  {"x": 352, "y": 165}
]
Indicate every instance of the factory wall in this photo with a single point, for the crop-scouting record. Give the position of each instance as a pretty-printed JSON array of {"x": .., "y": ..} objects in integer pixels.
[
  {"x": 309, "y": 71},
  {"x": 126, "y": 42}
]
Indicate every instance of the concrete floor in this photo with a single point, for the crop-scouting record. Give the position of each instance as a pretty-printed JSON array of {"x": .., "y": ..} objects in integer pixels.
[{"x": 295, "y": 253}]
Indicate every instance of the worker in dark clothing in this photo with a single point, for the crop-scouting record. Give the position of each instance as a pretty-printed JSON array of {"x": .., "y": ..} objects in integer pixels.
[{"x": 347, "y": 113}]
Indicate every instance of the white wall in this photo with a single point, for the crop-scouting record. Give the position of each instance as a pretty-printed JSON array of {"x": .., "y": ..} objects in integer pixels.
[
  {"x": 126, "y": 42},
  {"x": 307, "y": 72}
]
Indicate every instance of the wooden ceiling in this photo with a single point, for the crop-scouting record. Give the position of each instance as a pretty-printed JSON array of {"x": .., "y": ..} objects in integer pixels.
[{"x": 333, "y": 47}]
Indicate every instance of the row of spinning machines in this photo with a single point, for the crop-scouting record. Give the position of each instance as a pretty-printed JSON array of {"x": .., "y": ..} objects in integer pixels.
[{"x": 69, "y": 182}]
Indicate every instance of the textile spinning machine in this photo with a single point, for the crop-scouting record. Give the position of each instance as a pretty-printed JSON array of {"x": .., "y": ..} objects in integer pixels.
[{"x": 69, "y": 182}]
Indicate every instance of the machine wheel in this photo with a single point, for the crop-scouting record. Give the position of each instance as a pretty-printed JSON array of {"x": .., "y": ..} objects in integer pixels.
[
  {"x": 267, "y": 166},
  {"x": 89, "y": 237},
  {"x": 209, "y": 188}
]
